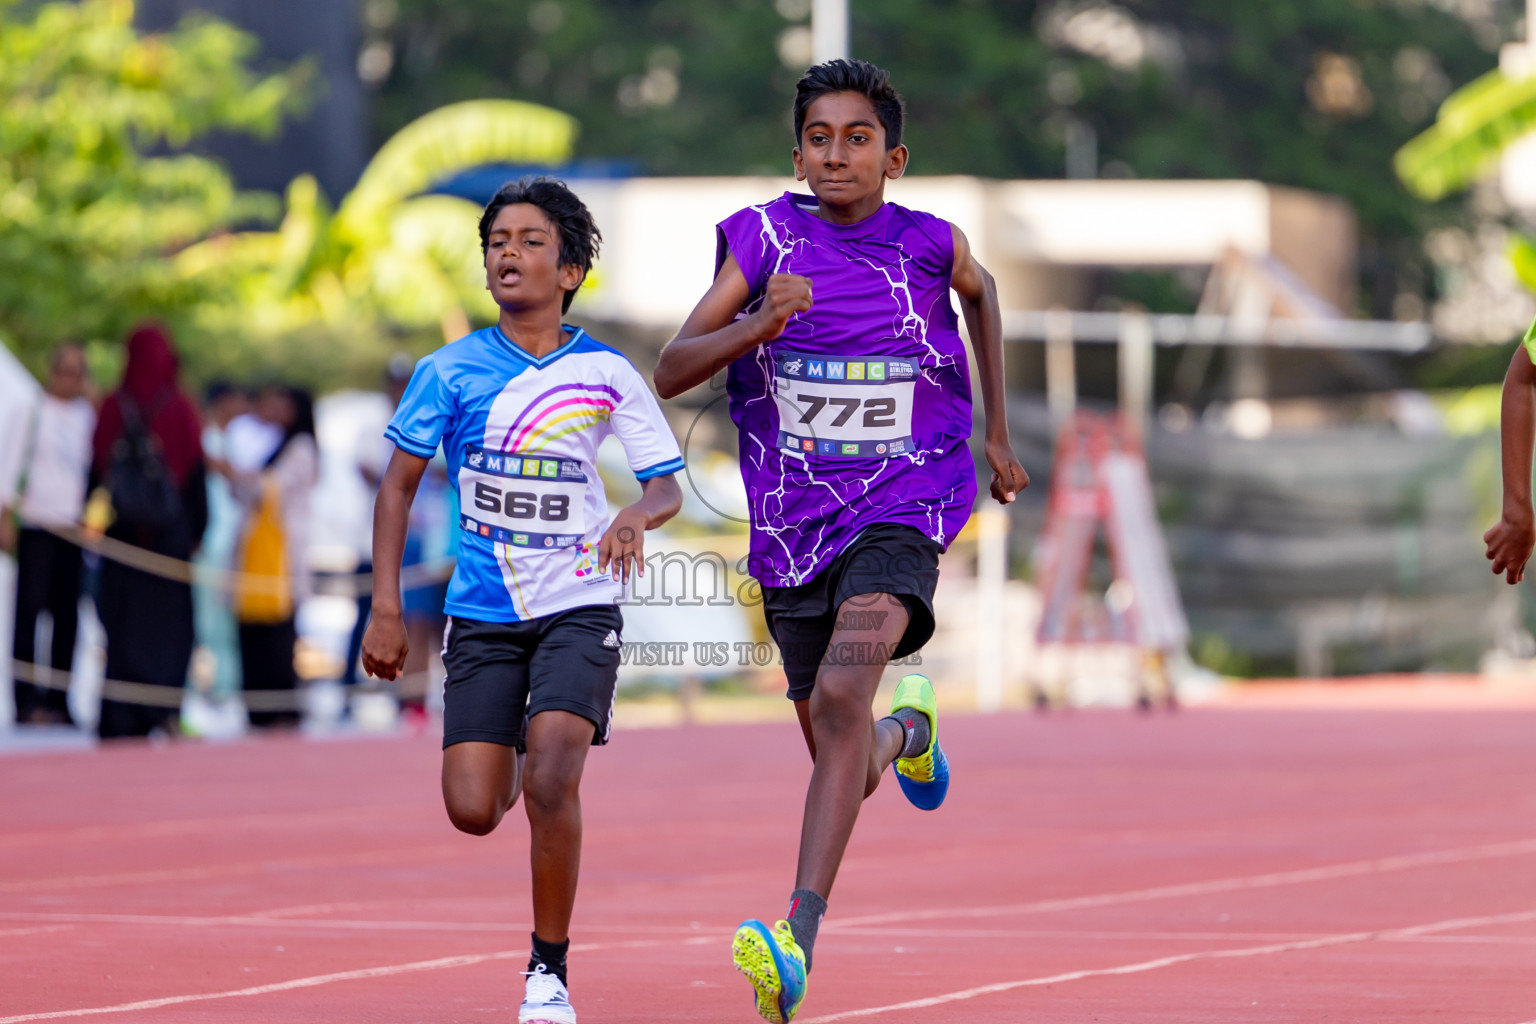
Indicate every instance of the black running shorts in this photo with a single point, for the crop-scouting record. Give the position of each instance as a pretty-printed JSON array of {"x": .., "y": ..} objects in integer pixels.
[
  {"x": 887, "y": 558},
  {"x": 500, "y": 674}
]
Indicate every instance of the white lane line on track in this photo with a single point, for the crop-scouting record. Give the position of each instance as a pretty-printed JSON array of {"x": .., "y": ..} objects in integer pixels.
[
  {"x": 185, "y": 826},
  {"x": 41, "y": 930},
  {"x": 306, "y": 909},
  {"x": 1473, "y": 940},
  {"x": 383, "y": 925},
  {"x": 441, "y": 963},
  {"x": 224, "y": 870},
  {"x": 1171, "y": 961},
  {"x": 1350, "y": 869},
  {"x": 376, "y": 925},
  {"x": 852, "y": 925},
  {"x": 321, "y": 924},
  {"x": 1070, "y": 933}
]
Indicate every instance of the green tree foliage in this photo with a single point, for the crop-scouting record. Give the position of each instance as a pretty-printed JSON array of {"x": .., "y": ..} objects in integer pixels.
[
  {"x": 95, "y": 198},
  {"x": 1473, "y": 128},
  {"x": 388, "y": 260},
  {"x": 1312, "y": 93}
]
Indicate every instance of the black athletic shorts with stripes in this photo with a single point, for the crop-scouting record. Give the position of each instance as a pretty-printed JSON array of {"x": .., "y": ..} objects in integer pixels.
[
  {"x": 501, "y": 674},
  {"x": 887, "y": 558}
]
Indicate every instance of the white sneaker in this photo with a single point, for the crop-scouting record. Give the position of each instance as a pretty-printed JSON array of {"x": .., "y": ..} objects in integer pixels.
[{"x": 545, "y": 1001}]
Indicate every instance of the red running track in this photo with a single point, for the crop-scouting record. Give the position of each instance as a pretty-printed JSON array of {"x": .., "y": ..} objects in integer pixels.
[{"x": 1217, "y": 865}]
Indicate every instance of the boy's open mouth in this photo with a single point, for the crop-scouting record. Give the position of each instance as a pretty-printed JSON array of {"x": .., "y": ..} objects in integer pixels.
[{"x": 509, "y": 275}]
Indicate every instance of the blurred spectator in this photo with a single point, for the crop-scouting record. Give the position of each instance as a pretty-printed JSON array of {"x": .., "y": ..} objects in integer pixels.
[
  {"x": 148, "y": 455},
  {"x": 275, "y": 545},
  {"x": 250, "y": 439},
  {"x": 372, "y": 454},
  {"x": 45, "y": 464},
  {"x": 432, "y": 537},
  {"x": 216, "y": 633}
]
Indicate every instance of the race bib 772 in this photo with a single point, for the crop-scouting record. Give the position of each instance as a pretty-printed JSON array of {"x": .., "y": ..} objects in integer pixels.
[{"x": 844, "y": 407}]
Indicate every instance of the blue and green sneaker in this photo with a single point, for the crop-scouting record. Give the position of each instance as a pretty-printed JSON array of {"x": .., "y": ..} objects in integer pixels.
[
  {"x": 925, "y": 778},
  {"x": 774, "y": 964}
]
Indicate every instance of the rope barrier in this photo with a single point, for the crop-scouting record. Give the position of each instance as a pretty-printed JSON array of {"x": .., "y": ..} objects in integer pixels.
[
  {"x": 233, "y": 581},
  {"x": 147, "y": 694},
  {"x": 152, "y": 695}
]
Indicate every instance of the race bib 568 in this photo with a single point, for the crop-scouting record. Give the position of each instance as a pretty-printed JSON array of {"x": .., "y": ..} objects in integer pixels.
[
  {"x": 521, "y": 499},
  {"x": 843, "y": 407}
]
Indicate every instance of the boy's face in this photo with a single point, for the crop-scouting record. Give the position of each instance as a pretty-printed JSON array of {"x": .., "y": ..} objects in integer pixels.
[
  {"x": 522, "y": 260},
  {"x": 67, "y": 373},
  {"x": 842, "y": 153}
]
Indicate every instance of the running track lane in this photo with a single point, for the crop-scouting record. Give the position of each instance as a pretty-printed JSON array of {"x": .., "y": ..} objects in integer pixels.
[{"x": 1217, "y": 865}]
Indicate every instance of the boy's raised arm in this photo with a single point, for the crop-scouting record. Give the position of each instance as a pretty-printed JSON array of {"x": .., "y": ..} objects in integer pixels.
[
  {"x": 984, "y": 321},
  {"x": 712, "y": 337},
  {"x": 1510, "y": 539},
  {"x": 384, "y": 644}
]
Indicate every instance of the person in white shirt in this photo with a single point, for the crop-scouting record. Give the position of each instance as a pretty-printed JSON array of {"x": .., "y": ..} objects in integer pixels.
[
  {"x": 372, "y": 454},
  {"x": 250, "y": 440},
  {"x": 45, "y": 462}
]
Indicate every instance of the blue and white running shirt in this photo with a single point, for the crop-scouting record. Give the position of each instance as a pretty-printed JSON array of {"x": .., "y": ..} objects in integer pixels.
[{"x": 520, "y": 435}]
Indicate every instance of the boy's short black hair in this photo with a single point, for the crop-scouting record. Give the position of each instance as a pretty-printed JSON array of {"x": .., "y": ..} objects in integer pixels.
[
  {"x": 858, "y": 76},
  {"x": 579, "y": 237}
]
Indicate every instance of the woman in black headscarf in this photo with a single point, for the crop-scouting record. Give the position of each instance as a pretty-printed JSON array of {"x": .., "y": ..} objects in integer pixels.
[{"x": 148, "y": 454}]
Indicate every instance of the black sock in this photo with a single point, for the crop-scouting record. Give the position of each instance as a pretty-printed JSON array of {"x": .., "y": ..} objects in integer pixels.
[
  {"x": 805, "y": 913},
  {"x": 915, "y": 731},
  {"x": 551, "y": 955}
]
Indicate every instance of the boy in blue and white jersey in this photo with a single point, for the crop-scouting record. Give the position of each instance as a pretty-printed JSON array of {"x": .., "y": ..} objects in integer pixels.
[{"x": 532, "y": 647}]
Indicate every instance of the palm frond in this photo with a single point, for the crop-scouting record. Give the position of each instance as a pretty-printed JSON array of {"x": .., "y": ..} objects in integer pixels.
[
  {"x": 452, "y": 139},
  {"x": 1472, "y": 129},
  {"x": 445, "y": 229},
  {"x": 1522, "y": 257}
]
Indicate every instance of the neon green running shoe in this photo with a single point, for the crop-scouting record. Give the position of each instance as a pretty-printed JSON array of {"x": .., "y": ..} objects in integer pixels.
[
  {"x": 774, "y": 964},
  {"x": 925, "y": 778}
]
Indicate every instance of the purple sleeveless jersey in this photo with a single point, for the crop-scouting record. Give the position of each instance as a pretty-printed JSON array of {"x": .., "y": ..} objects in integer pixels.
[{"x": 860, "y": 412}]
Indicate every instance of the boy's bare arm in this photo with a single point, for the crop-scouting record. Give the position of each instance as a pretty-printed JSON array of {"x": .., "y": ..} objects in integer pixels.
[
  {"x": 1510, "y": 540},
  {"x": 384, "y": 644},
  {"x": 623, "y": 543},
  {"x": 984, "y": 321},
  {"x": 712, "y": 337}
]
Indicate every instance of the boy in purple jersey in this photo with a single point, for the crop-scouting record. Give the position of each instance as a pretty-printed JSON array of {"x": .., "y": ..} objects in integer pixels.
[{"x": 854, "y": 418}]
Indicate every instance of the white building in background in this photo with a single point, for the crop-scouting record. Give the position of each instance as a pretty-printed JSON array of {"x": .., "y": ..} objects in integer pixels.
[
  {"x": 1517, "y": 172},
  {"x": 1042, "y": 240}
]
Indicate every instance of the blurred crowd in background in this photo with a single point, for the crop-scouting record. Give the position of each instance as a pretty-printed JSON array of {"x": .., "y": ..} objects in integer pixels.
[{"x": 209, "y": 500}]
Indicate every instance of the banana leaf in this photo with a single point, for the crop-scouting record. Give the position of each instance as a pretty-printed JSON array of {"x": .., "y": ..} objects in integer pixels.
[{"x": 1472, "y": 129}]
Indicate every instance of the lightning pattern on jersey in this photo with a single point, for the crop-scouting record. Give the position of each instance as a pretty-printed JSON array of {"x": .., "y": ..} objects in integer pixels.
[{"x": 880, "y": 292}]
